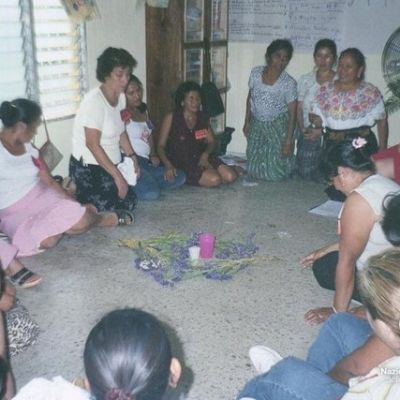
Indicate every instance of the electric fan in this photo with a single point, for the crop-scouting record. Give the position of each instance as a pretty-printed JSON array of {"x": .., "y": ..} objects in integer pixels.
[{"x": 391, "y": 70}]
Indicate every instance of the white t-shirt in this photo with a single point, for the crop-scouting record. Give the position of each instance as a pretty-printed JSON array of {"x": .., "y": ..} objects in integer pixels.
[
  {"x": 96, "y": 112},
  {"x": 381, "y": 383},
  {"x": 139, "y": 134},
  {"x": 18, "y": 175},
  {"x": 373, "y": 190}
]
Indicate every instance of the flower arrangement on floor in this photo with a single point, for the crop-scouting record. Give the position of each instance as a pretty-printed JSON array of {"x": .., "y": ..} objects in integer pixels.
[{"x": 166, "y": 258}]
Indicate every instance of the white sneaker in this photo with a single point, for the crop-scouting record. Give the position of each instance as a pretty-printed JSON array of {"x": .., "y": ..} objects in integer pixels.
[{"x": 263, "y": 358}]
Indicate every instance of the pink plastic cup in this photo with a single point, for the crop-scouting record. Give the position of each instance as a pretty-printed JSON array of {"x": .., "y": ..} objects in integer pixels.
[{"x": 207, "y": 242}]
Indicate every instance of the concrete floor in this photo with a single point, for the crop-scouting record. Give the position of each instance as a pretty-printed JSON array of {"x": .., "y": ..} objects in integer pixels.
[{"x": 213, "y": 323}]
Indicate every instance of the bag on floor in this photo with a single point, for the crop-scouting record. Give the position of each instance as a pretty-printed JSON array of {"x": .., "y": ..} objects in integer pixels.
[{"x": 49, "y": 152}]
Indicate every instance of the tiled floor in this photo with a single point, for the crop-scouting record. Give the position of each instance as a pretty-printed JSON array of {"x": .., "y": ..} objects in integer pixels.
[{"x": 216, "y": 322}]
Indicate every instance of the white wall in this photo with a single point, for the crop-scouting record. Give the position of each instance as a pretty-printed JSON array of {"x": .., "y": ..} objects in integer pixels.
[
  {"x": 243, "y": 56},
  {"x": 122, "y": 24}
]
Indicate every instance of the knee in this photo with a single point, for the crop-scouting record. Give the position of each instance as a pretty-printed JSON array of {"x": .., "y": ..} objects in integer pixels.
[
  {"x": 230, "y": 176},
  {"x": 214, "y": 180},
  {"x": 149, "y": 195}
]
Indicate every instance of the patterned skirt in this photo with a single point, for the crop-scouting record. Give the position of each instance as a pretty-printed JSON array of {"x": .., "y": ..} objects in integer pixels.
[
  {"x": 264, "y": 146},
  {"x": 308, "y": 158},
  {"x": 96, "y": 186}
]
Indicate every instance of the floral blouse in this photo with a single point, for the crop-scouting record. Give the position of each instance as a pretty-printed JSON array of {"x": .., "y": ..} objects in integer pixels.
[{"x": 349, "y": 109}]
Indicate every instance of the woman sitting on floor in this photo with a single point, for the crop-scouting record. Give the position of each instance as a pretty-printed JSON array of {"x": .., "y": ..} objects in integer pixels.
[
  {"x": 186, "y": 142},
  {"x": 99, "y": 136},
  {"x": 127, "y": 356},
  {"x": 348, "y": 163},
  {"x": 34, "y": 209},
  {"x": 318, "y": 377},
  {"x": 139, "y": 128}
]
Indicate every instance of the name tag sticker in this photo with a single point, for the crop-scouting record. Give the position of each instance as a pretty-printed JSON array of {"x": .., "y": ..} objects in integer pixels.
[{"x": 200, "y": 134}]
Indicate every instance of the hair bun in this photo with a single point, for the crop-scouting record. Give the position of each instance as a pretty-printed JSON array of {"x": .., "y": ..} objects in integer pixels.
[
  {"x": 117, "y": 394},
  {"x": 9, "y": 114}
]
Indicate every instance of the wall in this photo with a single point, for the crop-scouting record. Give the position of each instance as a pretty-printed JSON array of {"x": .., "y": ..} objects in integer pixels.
[
  {"x": 243, "y": 56},
  {"x": 122, "y": 24}
]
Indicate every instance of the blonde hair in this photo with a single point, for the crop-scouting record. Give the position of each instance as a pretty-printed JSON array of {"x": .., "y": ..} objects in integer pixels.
[{"x": 380, "y": 288}]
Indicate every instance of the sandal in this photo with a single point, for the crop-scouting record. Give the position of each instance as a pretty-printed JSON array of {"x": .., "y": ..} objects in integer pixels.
[
  {"x": 22, "y": 278},
  {"x": 125, "y": 217}
]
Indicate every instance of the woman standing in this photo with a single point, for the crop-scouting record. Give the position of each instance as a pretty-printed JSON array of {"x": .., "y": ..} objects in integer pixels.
[
  {"x": 99, "y": 136},
  {"x": 309, "y": 143},
  {"x": 186, "y": 142},
  {"x": 271, "y": 115},
  {"x": 139, "y": 128},
  {"x": 350, "y": 103}
]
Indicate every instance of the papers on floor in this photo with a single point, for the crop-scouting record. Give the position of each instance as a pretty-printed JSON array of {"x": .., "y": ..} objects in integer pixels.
[
  {"x": 234, "y": 160},
  {"x": 329, "y": 208}
]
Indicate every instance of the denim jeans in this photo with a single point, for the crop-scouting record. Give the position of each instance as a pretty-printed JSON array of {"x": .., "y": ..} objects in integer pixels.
[
  {"x": 152, "y": 180},
  {"x": 295, "y": 379}
]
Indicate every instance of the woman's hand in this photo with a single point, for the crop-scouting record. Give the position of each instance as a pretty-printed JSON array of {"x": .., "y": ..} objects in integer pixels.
[
  {"x": 203, "y": 161},
  {"x": 359, "y": 311},
  {"x": 287, "y": 149},
  {"x": 309, "y": 259},
  {"x": 170, "y": 174},
  {"x": 312, "y": 134},
  {"x": 315, "y": 120},
  {"x": 136, "y": 166},
  {"x": 122, "y": 186},
  {"x": 155, "y": 161},
  {"x": 318, "y": 315}
]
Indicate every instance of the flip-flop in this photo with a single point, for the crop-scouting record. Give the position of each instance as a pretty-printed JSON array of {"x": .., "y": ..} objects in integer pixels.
[
  {"x": 125, "y": 217},
  {"x": 21, "y": 278}
]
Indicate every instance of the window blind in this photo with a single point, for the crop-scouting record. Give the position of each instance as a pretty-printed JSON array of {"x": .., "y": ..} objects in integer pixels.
[{"x": 42, "y": 55}]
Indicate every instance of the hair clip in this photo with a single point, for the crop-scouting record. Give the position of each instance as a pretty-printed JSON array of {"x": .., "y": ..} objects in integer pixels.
[{"x": 359, "y": 142}]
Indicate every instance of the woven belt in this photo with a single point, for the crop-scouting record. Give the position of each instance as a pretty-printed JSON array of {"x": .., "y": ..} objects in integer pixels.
[{"x": 339, "y": 135}]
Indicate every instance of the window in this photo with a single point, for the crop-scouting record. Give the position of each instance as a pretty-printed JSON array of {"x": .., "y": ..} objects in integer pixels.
[{"x": 42, "y": 56}]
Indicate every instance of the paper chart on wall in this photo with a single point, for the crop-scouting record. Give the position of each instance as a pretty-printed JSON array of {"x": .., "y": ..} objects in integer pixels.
[{"x": 366, "y": 24}]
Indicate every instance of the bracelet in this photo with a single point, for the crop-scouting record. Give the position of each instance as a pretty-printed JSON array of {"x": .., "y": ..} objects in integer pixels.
[{"x": 334, "y": 310}]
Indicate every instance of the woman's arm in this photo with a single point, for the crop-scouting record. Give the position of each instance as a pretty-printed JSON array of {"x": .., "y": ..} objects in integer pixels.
[
  {"x": 92, "y": 137},
  {"x": 154, "y": 159},
  {"x": 356, "y": 223},
  {"x": 247, "y": 117},
  {"x": 210, "y": 139},
  {"x": 126, "y": 146},
  {"x": 300, "y": 118},
  {"x": 383, "y": 132},
  {"x": 287, "y": 148},
  {"x": 170, "y": 171},
  {"x": 361, "y": 361},
  {"x": 47, "y": 179}
]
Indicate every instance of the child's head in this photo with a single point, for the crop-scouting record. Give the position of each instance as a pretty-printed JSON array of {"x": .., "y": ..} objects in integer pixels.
[
  {"x": 379, "y": 284},
  {"x": 128, "y": 356}
]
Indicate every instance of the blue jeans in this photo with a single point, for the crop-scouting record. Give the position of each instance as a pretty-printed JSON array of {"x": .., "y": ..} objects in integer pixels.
[
  {"x": 295, "y": 379},
  {"x": 152, "y": 180}
]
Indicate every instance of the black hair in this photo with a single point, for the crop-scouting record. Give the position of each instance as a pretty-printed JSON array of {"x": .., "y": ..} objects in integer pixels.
[
  {"x": 326, "y": 44},
  {"x": 134, "y": 79},
  {"x": 391, "y": 218},
  {"x": 353, "y": 152},
  {"x": 183, "y": 89},
  {"x": 279, "y": 44},
  {"x": 358, "y": 58},
  {"x": 128, "y": 352},
  {"x": 19, "y": 110},
  {"x": 112, "y": 58}
]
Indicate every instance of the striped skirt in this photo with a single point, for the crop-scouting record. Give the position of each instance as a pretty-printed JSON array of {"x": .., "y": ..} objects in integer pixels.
[{"x": 264, "y": 150}]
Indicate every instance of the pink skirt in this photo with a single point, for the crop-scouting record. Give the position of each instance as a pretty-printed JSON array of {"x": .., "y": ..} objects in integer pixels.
[{"x": 40, "y": 214}]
